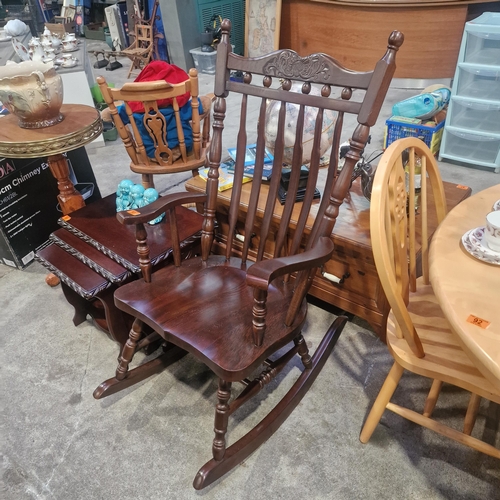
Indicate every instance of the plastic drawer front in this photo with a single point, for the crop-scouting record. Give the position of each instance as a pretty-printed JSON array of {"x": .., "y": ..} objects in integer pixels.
[
  {"x": 472, "y": 148},
  {"x": 479, "y": 82},
  {"x": 473, "y": 115},
  {"x": 483, "y": 48}
]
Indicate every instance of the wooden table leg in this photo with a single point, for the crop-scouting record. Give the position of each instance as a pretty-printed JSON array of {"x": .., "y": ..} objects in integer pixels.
[{"x": 69, "y": 198}]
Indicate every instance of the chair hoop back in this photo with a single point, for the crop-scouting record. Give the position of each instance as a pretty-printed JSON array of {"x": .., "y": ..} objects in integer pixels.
[{"x": 399, "y": 235}]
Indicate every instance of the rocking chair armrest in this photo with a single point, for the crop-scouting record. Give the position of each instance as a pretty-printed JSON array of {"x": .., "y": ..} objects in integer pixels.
[
  {"x": 262, "y": 273},
  {"x": 155, "y": 209}
]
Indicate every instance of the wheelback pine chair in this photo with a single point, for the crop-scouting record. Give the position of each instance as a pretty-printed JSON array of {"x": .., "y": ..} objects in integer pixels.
[
  {"x": 419, "y": 336},
  {"x": 231, "y": 312}
]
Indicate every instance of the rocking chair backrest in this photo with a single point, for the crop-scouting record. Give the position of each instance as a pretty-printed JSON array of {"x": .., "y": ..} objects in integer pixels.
[
  {"x": 300, "y": 224},
  {"x": 400, "y": 235},
  {"x": 155, "y": 125}
]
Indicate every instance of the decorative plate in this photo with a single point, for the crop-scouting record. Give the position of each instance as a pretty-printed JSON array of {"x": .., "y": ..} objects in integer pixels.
[
  {"x": 496, "y": 206},
  {"x": 473, "y": 243},
  {"x": 21, "y": 50}
]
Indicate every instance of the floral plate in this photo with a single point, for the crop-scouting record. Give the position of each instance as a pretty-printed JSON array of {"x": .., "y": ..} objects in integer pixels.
[
  {"x": 496, "y": 206},
  {"x": 473, "y": 243},
  {"x": 21, "y": 50}
]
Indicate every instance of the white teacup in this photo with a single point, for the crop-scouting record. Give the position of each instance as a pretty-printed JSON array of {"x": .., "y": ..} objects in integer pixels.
[
  {"x": 492, "y": 231},
  {"x": 69, "y": 44}
]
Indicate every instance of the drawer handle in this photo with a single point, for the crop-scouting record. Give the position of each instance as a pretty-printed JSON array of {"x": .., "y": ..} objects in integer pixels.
[
  {"x": 335, "y": 279},
  {"x": 241, "y": 237}
]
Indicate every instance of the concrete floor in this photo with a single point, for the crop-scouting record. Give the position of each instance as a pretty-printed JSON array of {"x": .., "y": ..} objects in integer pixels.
[{"x": 148, "y": 442}]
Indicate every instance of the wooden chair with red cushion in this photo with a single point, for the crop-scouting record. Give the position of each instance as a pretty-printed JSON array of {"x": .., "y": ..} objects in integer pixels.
[
  {"x": 244, "y": 310},
  {"x": 145, "y": 134}
]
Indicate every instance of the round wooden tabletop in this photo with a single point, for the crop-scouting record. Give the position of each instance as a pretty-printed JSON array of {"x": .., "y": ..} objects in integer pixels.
[
  {"x": 80, "y": 126},
  {"x": 468, "y": 289}
]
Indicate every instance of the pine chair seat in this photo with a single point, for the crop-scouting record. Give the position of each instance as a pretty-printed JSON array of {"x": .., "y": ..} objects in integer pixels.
[
  {"x": 444, "y": 358},
  {"x": 191, "y": 162}
]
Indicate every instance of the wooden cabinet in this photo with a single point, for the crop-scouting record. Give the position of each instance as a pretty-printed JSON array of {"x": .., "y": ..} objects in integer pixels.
[{"x": 360, "y": 292}]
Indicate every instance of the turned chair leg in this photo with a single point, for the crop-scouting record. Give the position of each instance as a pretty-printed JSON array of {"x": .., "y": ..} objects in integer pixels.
[
  {"x": 129, "y": 349},
  {"x": 379, "y": 406},
  {"x": 147, "y": 181},
  {"x": 432, "y": 398},
  {"x": 303, "y": 351},
  {"x": 221, "y": 419},
  {"x": 470, "y": 416}
]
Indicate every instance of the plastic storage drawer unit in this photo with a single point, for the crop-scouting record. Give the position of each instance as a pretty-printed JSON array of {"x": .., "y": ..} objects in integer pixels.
[
  {"x": 481, "y": 149},
  {"x": 472, "y": 130},
  {"x": 475, "y": 115}
]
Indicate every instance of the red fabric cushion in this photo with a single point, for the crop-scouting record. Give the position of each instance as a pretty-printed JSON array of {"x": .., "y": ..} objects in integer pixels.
[{"x": 161, "y": 70}]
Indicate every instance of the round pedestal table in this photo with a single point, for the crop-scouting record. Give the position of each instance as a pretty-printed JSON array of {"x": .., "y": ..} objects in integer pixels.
[{"x": 80, "y": 126}]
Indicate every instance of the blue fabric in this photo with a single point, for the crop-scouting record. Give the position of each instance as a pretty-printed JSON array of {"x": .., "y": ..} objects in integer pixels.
[{"x": 185, "y": 114}]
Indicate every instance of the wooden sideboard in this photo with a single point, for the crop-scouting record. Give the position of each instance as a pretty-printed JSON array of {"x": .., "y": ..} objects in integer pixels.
[
  {"x": 361, "y": 292},
  {"x": 355, "y": 32}
]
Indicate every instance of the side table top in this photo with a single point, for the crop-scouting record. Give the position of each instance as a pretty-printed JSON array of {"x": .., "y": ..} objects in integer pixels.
[{"x": 80, "y": 126}]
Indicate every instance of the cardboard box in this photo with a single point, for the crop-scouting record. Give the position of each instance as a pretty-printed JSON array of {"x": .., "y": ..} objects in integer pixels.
[
  {"x": 61, "y": 28},
  {"x": 29, "y": 209}
]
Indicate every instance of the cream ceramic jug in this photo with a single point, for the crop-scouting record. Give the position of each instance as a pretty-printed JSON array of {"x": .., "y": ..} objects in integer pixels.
[{"x": 33, "y": 92}]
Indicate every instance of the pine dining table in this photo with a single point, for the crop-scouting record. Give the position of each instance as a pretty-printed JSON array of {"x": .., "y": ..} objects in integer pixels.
[{"x": 467, "y": 286}]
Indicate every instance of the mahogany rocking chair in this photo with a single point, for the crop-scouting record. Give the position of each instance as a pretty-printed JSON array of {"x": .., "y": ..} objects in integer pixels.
[
  {"x": 419, "y": 336},
  {"x": 235, "y": 311},
  {"x": 146, "y": 138}
]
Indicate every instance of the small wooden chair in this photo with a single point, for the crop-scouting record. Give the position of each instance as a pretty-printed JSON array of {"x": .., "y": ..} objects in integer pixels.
[
  {"x": 242, "y": 313},
  {"x": 166, "y": 158},
  {"x": 418, "y": 335},
  {"x": 141, "y": 49}
]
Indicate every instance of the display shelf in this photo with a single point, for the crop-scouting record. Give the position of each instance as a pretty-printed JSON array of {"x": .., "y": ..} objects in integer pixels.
[{"x": 472, "y": 130}]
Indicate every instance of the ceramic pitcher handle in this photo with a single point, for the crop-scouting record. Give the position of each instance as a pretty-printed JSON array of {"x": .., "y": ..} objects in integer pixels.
[{"x": 43, "y": 86}]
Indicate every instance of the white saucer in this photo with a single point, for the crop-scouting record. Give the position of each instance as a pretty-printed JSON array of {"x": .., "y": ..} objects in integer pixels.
[
  {"x": 496, "y": 206},
  {"x": 473, "y": 243},
  {"x": 70, "y": 50}
]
